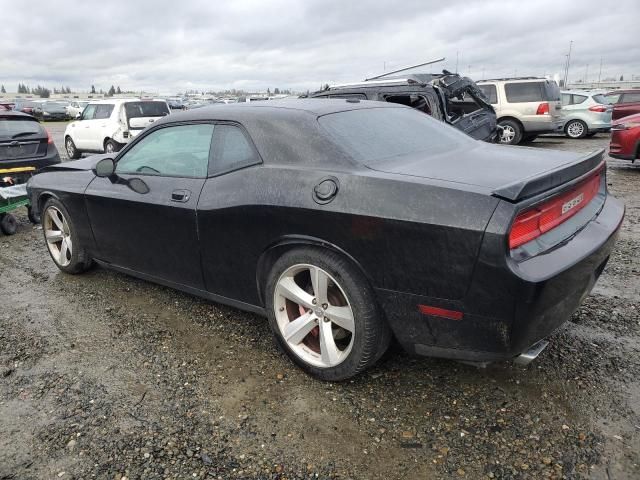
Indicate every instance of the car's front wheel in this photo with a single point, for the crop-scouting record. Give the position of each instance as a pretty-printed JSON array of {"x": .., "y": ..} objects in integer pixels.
[
  {"x": 70, "y": 147},
  {"x": 576, "y": 129},
  {"x": 111, "y": 146},
  {"x": 62, "y": 239},
  {"x": 324, "y": 314}
]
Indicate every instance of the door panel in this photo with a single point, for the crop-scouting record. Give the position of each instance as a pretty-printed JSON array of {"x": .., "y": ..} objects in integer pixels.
[{"x": 152, "y": 233}]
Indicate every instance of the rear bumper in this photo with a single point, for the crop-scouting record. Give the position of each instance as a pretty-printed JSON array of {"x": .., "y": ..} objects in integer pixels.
[
  {"x": 52, "y": 158},
  {"x": 509, "y": 307}
]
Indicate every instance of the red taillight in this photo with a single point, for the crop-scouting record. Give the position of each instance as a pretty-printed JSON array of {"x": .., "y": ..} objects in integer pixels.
[
  {"x": 543, "y": 109},
  {"x": 598, "y": 108},
  {"x": 49, "y": 137},
  {"x": 532, "y": 223}
]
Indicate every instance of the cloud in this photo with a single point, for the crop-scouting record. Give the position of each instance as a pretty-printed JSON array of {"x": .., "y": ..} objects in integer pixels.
[{"x": 167, "y": 46}]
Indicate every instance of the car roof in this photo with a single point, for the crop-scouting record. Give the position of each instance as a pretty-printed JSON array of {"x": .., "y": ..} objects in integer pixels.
[
  {"x": 588, "y": 93},
  {"x": 238, "y": 111},
  {"x": 15, "y": 113}
]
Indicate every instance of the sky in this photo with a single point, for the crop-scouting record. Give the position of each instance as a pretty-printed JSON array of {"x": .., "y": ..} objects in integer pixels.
[{"x": 169, "y": 47}]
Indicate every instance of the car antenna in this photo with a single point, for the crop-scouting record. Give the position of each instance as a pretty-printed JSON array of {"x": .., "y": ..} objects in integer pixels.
[{"x": 406, "y": 68}]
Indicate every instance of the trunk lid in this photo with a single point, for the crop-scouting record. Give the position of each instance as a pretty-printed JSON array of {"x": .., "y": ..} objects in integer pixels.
[
  {"x": 507, "y": 172},
  {"x": 21, "y": 137}
]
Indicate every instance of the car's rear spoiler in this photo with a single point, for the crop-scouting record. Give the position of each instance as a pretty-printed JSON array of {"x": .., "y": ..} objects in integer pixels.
[{"x": 528, "y": 187}]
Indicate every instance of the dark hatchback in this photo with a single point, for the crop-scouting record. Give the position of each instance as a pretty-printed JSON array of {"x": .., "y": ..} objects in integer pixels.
[
  {"x": 345, "y": 223},
  {"x": 24, "y": 142},
  {"x": 51, "y": 111}
]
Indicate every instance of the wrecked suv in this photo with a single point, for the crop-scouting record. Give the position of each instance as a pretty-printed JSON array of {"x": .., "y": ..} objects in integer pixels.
[{"x": 447, "y": 97}]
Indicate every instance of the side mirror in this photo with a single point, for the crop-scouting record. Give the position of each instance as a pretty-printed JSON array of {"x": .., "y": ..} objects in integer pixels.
[
  {"x": 105, "y": 168},
  {"x": 78, "y": 116}
]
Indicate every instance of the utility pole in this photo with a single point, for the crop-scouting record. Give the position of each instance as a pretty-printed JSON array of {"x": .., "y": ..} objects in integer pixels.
[
  {"x": 586, "y": 73},
  {"x": 566, "y": 72},
  {"x": 600, "y": 72},
  {"x": 457, "y": 61}
]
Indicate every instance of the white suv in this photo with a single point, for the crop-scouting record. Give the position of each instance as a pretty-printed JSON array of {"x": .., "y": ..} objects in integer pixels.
[
  {"x": 526, "y": 107},
  {"x": 105, "y": 126}
]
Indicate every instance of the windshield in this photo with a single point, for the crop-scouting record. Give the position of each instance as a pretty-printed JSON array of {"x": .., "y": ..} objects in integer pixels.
[
  {"x": 10, "y": 127},
  {"x": 146, "y": 109},
  {"x": 374, "y": 135},
  {"x": 53, "y": 107}
]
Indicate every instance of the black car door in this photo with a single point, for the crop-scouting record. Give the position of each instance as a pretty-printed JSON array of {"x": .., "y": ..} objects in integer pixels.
[{"x": 144, "y": 217}]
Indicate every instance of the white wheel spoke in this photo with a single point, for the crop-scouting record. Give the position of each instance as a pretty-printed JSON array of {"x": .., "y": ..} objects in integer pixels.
[
  {"x": 68, "y": 242},
  {"x": 288, "y": 288},
  {"x": 297, "y": 330},
  {"x": 54, "y": 236},
  {"x": 62, "y": 259},
  {"x": 320, "y": 282},
  {"x": 328, "y": 348},
  {"x": 341, "y": 316},
  {"x": 54, "y": 217}
]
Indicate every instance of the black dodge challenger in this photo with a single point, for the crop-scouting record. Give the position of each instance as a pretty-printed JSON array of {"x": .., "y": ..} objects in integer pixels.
[{"x": 346, "y": 223}]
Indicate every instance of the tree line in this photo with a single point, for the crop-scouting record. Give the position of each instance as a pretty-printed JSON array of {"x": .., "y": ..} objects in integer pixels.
[{"x": 44, "y": 92}]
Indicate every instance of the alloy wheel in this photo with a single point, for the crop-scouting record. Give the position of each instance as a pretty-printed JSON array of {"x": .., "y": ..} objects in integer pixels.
[
  {"x": 314, "y": 315},
  {"x": 109, "y": 148},
  {"x": 575, "y": 129},
  {"x": 508, "y": 134},
  {"x": 71, "y": 148},
  {"x": 58, "y": 236}
]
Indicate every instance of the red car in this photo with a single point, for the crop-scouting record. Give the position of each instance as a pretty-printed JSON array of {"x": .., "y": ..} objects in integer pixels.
[
  {"x": 625, "y": 138},
  {"x": 625, "y": 103}
]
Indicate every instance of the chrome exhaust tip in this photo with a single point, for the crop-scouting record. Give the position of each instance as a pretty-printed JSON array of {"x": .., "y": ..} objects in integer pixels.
[{"x": 525, "y": 358}]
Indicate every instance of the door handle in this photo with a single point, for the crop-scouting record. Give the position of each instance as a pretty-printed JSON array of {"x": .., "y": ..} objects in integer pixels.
[{"x": 180, "y": 195}]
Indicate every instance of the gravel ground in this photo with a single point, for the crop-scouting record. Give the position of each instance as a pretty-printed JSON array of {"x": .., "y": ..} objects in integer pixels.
[{"x": 105, "y": 376}]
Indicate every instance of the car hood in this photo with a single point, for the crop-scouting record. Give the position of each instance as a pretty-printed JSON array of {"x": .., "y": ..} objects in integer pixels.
[
  {"x": 86, "y": 163},
  {"x": 628, "y": 119},
  {"x": 508, "y": 172}
]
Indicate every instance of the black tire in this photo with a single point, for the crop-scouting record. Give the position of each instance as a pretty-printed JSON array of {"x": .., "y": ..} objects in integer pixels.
[
  {"x": 72, "y": 152},
  {"x": 80, "y": 260},
  {"x": 8, "y": 224},
  {"x": 371, "y": 336},
  {"x": 33, "y": 216},
  {"x": 111, "y": 146},
  {"x": 511, "y": 132},
  {"x": 576, "y": 129}
]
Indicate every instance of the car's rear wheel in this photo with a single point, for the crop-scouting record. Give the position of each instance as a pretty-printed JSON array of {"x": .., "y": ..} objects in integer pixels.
[
  {"x": 324, "y": 314},
  {"x": 511, "y": 132},
  {"x": 70, "y": 147},
  {"x": 62, "y": 239},
  {"x": 111, "y": 146},
  {"x": 576, "y": 129},
  {"x": 8, "y": 224}
]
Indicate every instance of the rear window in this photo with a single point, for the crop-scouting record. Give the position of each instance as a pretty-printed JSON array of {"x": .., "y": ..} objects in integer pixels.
[
  {"x": 600, "y": 99},
  {"x": 525, "y": 92},
  {"x": 374, "y": 134},
  {"x": 146, "y": 109},
  {"x": 10, "y": 127}
]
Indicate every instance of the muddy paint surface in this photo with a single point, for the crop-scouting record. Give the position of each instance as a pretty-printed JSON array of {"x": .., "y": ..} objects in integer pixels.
[{"x": 105, "y": 376}]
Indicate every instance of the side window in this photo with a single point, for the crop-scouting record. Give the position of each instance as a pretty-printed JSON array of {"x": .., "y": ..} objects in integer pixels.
[
  {"x": 180, "y": 151},
  {"x": 89, "y": 112},
  {"x": 524, "y": 92},
  {"x": 103, "y": 111},
  {"x": 490, "y": 92},
  {"x": 417, "y": 102},
  {"x": 231, "y": 150},
  {"x": 566, "y": 99},
  {"x": 578, "y": 99},
  {"x": 630, "y": 97}
]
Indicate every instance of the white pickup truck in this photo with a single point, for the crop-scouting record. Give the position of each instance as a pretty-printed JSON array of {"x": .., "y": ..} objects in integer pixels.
[{"x": 105, "y": 126}]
